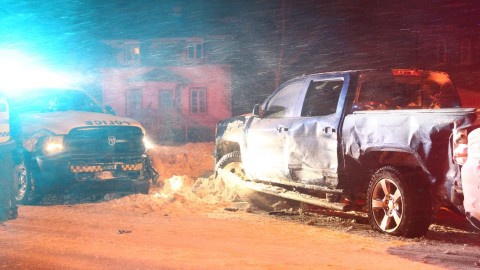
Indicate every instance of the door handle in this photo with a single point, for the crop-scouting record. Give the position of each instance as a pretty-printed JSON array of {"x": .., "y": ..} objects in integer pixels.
[
  {"x": 328, "y": 130},
  {"x": 280, "y": 129}
]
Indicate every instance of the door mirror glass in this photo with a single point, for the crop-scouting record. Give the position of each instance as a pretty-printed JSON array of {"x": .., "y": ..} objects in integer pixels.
[
  {"x": 109, "y": 110},
  {"x": 256, "y": 110}
]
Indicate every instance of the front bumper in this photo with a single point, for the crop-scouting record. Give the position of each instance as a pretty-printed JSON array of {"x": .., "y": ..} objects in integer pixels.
[
  {"x": 64, "y": 172},
  {"x": 113, "y": 185}
]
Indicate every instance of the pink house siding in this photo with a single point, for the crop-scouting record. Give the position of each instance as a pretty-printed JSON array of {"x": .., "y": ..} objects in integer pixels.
[
  {"x": 114, "y": 87},
  {"x": 217, "y": 82},
  {"x": 148, "y": 82}
]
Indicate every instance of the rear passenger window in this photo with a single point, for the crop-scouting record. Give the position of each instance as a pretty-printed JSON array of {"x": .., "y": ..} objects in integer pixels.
[{"x": 322, "y": 98}]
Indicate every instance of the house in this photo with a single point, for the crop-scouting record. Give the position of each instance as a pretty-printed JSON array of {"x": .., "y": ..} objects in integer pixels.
[
  {"x": 455, "y": 50},
  {"x": 176, "y": 87}
]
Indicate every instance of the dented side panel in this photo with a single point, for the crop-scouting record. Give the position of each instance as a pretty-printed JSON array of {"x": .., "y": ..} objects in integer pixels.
[
  {"x": 312, "y": 151},
  {"x": 424, "y": 134}
]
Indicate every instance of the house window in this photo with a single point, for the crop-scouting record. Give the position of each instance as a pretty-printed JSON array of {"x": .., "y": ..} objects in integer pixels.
[
  {"x": 465, "y": 51},
  {"x": 132, "y": 53},
  {"x": 441, "y": 52},
  {"x": 165, "y": 100},
  {"x": 178, "y": 98},
  {"x": 134, "y": 101},
  {"x": 198, "y": 100},
  {"x": 194, "y": 51}
]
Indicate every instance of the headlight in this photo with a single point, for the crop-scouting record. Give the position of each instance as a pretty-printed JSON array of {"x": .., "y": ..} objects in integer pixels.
[
  {"x": 460, "y": 146},
  {"x": 53, "y": 145},
  {"x": 147, "y": 143}
]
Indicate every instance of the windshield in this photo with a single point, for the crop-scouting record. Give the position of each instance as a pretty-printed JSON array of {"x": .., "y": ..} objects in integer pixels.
[
  {"x": 53, "y": 100},
  {"x": 431, "y": 90}
]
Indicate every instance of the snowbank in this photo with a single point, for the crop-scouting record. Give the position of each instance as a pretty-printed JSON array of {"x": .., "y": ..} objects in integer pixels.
[{"x": 186, "y": 183}]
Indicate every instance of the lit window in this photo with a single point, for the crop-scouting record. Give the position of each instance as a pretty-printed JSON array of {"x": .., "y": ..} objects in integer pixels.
[
  {"x": 132, "y": 53},
  {"x": 198, "y": 100}
]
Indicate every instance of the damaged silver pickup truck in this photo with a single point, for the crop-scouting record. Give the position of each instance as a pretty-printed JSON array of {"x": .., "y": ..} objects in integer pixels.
[{"x": 379, "y": 141}]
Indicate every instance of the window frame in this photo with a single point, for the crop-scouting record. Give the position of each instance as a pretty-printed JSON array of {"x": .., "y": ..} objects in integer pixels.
[
  {"x": 131, "y": 53},
  {"x": 129, "y": 94},
  {"x": 198, "y": 101},
  {"x": 195, "y": 51},
  {"x": 161, "y": 104},
  {"x": 263, "y": 107},
  {"x": 329, "y": 85}
]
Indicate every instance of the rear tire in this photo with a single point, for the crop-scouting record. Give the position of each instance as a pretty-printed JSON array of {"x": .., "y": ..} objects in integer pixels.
[{"x": 398, "y": 206}]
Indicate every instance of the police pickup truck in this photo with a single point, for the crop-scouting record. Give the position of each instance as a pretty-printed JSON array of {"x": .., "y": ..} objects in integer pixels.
[
  {"x": 379, "y": 141},
  {"x": 68, "y": 143}
]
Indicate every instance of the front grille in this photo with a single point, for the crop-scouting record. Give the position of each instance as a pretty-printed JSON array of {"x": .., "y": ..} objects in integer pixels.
[{"x": 105, "y": 141}]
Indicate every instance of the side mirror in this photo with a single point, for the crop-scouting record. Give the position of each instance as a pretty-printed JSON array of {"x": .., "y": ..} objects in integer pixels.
[
  {"x": 257, "y": 111},
  {"x": 109, "y": 110}
]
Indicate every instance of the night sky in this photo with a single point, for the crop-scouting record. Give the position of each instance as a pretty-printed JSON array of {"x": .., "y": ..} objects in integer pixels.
[
  {"x": 74, "y": 27},
  {"x": 298, "y": 36}
]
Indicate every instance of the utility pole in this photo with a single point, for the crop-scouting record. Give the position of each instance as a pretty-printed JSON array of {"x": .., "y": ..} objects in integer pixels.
[{"x": 279, "y": 68}]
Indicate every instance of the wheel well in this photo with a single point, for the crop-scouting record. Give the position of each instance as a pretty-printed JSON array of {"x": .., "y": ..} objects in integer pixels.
[
  {"x": 377, "y": 159},
  {"x": 225, "y": 147},
  {"x": 364, "y": 168}
]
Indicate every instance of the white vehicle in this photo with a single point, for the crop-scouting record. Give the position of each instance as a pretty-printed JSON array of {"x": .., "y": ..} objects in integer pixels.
[
  {"x": 67, "y": 142},
  {"x": 471, "y": 179}
]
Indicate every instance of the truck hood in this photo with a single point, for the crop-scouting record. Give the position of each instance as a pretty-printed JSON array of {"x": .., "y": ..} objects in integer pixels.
[{"x": 60, "y": 123}]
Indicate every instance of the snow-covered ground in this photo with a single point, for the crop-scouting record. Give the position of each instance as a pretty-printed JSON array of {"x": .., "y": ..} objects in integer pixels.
[{"x": 192, "y": 220}]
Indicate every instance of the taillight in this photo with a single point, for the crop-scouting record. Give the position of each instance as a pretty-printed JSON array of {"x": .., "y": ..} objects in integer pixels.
[
  {"x": 460, "y": 146},
  {"x": 405, "y": 72}
]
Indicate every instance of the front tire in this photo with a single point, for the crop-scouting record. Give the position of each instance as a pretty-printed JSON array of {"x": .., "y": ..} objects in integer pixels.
[
  {"x": 142, "y": 187},
  {"x": 8, "y": 204},
  {"x": 231, "y": 162},
  {"x": 398, "y": 206},
  {"x": 25, "y": 189}
]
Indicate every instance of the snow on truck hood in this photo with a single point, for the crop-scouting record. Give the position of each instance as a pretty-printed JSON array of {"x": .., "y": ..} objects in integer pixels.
[{"x": 61, "y": 123}]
